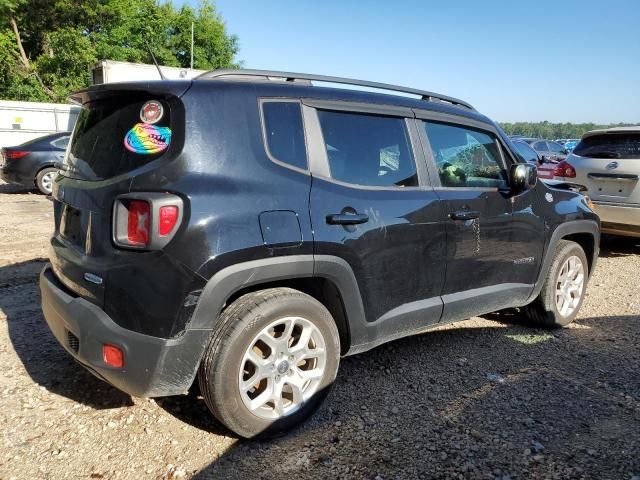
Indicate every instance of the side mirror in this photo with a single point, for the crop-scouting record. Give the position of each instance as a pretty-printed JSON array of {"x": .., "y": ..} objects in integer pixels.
[{"x": 523, "y": 176}]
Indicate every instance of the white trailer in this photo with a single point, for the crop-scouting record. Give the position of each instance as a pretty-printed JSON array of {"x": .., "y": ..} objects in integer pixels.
[
  {"x": 110, "y": 71},
  {"x": 23, "y": 121}
]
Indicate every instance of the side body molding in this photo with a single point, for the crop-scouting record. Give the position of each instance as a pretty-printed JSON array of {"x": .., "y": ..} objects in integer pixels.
[
  {"x": 230, "y": 280},
  {"x": 363, "y": 335}
]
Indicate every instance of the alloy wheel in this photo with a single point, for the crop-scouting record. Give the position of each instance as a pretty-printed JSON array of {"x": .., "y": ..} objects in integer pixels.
[
  {"x": 569, "y": 286},
  {"x": 282, "y": 367}
]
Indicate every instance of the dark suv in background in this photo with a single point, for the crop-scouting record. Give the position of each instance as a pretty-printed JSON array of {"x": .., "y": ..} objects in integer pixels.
[{"x": 247, "y": 228}]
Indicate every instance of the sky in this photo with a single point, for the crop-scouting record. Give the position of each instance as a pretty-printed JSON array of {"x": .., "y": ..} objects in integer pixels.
[{"x": 561, "y": 61}]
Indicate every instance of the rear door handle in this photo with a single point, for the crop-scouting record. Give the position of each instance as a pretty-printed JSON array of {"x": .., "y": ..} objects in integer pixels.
[
  {"x": 464, "y": 215},
  {"x": 347, "y": 218}
]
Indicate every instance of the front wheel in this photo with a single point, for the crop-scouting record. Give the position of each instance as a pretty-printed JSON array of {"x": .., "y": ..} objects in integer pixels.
[
  {"x": 563, "y": 290},
  {"x": 270, "y": 361}
]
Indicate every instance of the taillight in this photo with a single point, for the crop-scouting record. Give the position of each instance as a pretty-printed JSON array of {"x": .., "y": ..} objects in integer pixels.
[
  {"x": 13, "y": 154},
  {"x": 138, "y": 222},
  {"x": 146, "y": 221},
  {"x": 564, "y": 169},
  {"x": 168, "y": 219}
]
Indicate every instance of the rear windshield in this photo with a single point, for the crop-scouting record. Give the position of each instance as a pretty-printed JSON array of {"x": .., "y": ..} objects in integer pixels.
[
  {"x": 110, "y": 139},
  {"x": 611, "y": 145}
]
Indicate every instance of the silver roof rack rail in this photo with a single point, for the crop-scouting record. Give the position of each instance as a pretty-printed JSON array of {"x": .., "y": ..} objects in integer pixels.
[{"x": 294, "y": 77}]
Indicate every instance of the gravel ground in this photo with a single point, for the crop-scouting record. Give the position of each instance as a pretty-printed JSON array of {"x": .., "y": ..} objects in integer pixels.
[{"x": 484, "y": 398}]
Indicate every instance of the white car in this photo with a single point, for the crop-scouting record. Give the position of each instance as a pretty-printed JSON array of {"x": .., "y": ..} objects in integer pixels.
[{"x": 607, "y": 163}]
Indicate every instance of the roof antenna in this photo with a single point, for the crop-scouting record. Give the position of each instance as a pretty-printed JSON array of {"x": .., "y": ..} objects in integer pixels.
[{"x": 155, "y": 62}]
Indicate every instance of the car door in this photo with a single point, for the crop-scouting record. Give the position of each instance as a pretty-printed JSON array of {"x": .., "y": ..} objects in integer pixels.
[
  {"x": 494, "y": 239},
  {"x": 372, "y": 205}
]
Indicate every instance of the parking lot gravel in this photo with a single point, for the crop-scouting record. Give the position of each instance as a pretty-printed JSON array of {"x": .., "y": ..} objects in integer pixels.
[{"x": 484, "y": 398}]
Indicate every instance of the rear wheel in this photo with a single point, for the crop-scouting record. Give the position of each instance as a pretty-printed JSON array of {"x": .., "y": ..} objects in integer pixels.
[
  {"x": 44, "y": 179},
  {"x": 563, "y": 291},
  {"x": 270, "y": 361}
]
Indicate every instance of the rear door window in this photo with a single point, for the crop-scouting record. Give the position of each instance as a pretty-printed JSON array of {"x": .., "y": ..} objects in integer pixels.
[
  {"x": 465, "y": 157},
  {"x": 612, "y": 145},
  {"x": 370, "y": 150}
]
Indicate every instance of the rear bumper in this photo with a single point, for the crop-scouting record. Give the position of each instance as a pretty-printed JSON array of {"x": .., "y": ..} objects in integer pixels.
[
  {"x": 619, "y": 218},
  {"x": 153, "y": 367},
  {"x": 11, "y": 176}
]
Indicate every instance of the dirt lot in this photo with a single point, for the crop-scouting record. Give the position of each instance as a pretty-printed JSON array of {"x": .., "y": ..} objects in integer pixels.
[{"x": 480, "y": 399}]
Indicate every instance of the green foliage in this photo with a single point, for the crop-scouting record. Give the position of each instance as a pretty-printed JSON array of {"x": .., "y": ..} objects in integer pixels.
[
  {"x": 66, "y": 70},
  {"x": 63, "y": 40},
  {"x": 553, "y": 130}
]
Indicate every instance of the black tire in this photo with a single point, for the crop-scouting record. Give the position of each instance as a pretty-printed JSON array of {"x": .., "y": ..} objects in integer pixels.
[
  {"x": 543, "y": 311},
  {"x": 41, "y": 179},
  {"x": 238, "y": 325}
]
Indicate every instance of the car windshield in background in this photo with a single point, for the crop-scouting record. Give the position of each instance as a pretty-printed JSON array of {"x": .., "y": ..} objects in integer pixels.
[
  {"x": 610, "y": 145},
  {"x": 527, "y": 153}
]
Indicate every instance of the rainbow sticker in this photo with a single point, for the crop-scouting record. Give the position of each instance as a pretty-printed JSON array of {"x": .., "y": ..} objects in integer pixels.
[{"x": 147, "y": 139}]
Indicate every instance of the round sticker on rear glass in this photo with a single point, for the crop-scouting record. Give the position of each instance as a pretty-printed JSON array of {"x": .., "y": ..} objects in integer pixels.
[
  {"x": 151, "y": 112},
  {"x": 146, "y": 139}
]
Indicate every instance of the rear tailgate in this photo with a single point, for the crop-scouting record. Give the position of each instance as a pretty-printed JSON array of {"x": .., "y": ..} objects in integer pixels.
[
  {"x": 104, "y": 156},
  {"x": 608, "y": 165}
]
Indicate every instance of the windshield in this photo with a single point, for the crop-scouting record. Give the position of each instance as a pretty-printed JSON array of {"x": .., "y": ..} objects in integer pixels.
[
  {"x": 610, "y": 145},
  {"x": 109, "y": 138}
]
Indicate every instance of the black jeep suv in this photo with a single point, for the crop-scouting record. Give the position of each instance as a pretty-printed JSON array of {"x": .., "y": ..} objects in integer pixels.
[{"x": 248, "y": 228}]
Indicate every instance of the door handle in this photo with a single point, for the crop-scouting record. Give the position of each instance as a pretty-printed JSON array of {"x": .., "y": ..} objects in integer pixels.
[
  {"x": 347, "y": 218},
  {"x": 464, "y": 215}
]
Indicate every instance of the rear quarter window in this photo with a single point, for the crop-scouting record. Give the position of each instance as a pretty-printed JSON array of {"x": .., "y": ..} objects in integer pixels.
[
  {"x": 611, "y": 145},
  {"x": 284, "y": 133}
]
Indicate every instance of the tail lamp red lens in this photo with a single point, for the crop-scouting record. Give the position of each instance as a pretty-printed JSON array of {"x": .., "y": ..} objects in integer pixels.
[
  {"x": 146, "y": 220},
  {"x": 564, "y": 169},
  {"x": 138, "y": 222},
  {"x": 14, "y": 154},
  {"x": 168, "y": 217},
  {"x": 112, "y": 356}
]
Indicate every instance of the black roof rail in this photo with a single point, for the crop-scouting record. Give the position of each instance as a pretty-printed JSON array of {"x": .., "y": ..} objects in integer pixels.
[{"x": 293, "y": 77}]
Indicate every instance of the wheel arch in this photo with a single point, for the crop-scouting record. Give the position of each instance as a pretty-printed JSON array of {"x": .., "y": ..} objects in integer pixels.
[
  {"x": 328, "y": 279},
  {"x": 585, "y": 233},
  {"x": 39, "y": 169}
]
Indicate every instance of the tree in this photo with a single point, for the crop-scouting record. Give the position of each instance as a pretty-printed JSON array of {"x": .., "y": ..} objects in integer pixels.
[
  {"x": 48, "y": 47},
  {"x": 553, "y": 130}
]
